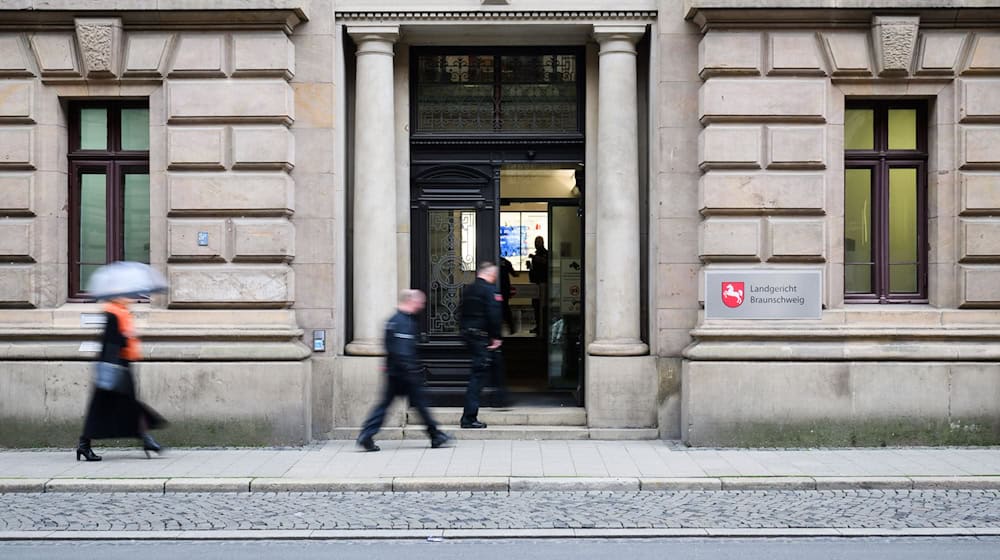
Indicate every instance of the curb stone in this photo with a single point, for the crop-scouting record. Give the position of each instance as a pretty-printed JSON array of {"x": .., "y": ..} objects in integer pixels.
[
  {"x": 456, "y": 484},
  {"x": 185, "y": 485},
  {"x": 867, "y": 483},
  {"x": 493, "y": 484},
  {"x": 19, "y": 485},
  {"x": 768, "y": 483},
  {"x": 458, "y": 534},
  {"x": 320, "y": 485},
  {"x": 674, "y": 484},
  {"x": 153, "y": 485},
  {"x": 574, "y": 484}
]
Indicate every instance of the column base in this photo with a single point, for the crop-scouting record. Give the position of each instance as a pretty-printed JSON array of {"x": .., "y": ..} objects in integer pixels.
[
  {"x": 618, "y": 347},
  {"x": 358, "y": 384},
  {"x": 622, "y": 391},
  {"x": 365, "y": 348}
]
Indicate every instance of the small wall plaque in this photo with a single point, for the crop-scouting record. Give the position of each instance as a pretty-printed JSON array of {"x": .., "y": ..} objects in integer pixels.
[
  {"x": 92, "y": 319},
  {"x": 203, "y": 239},
  {"x": 319, "y": 341}
]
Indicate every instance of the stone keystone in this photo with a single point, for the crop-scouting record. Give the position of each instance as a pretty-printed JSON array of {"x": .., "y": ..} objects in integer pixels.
[
  {"x": 895, "y": 39},
  {"x": 100, "y": 41}
]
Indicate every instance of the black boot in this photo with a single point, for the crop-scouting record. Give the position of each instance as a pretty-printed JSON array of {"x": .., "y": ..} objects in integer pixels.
[
  {"x": 440, "y": 439},
  {"x": 368, "y": 443},
  {"x": 83, "y": 450},
  {"x": 149, "y": 444}
]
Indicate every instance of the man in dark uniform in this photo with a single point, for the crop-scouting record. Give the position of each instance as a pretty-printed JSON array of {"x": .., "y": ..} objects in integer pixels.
[
  {"x": 538, "y": 274},
  {"x": 481, "y": 331},
  {"x": 405, "y": 372},
  {"x": 506, "y": 271}
]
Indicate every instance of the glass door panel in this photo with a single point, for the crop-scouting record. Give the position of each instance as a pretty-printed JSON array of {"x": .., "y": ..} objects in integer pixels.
[
  {"x": 565, "y": 297},
  {"x": 452, "y": 260}
]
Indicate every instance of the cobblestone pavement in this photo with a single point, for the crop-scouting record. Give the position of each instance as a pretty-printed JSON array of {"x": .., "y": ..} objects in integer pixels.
[{"x": 488, "y": 510}]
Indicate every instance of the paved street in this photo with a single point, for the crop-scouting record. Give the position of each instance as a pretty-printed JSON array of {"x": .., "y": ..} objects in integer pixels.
[
  {"x": 556, "y": 549},
  {"x": 492, "y": 510}
]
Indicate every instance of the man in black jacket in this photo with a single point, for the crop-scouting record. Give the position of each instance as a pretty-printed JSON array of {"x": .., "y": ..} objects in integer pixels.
[
  {"x": 405, "y": 372},
  {"x": 481, "y": 331}
]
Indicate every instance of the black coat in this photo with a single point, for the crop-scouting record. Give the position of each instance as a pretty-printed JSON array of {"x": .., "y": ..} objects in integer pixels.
[
  {"x": 539, "y": 271},
  {"x": 402, "y": 355},
  {"x": 506, "y": 270},
  {"x": 113, "y": 414},
  {"x": 481, "y": 308}
]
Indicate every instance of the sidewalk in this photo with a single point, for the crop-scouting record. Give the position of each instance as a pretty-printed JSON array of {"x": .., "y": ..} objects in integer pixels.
[{"x": 499, "y": 465}]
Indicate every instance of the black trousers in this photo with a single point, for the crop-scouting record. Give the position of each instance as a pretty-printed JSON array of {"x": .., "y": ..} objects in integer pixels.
[
  {"x": 479, "y": 373},
  {"x": 406, "y": 385},
  {"x": 487, "y": 368}
]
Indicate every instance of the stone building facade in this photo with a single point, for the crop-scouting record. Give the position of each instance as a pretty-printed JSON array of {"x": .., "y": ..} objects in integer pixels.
[{"x": 307, "y": 159}]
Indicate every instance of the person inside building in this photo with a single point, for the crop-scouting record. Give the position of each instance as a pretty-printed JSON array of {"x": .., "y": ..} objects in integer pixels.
[
  {"x": 480, "y": 321},
  {"x": 538, "y": 273},
  {"x": 506, "y": 271},
  {"x": 404, "y": 372}
]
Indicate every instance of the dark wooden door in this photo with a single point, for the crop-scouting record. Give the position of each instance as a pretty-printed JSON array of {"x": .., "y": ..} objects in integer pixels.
[{"x": 453, "y": 229}]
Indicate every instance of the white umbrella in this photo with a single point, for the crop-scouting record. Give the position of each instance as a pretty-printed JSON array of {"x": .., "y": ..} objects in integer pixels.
[{"x": 125, "y": 279}]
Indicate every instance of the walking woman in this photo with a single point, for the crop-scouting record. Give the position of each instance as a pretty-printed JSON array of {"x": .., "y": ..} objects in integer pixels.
[{"x": 118, "y": 413}]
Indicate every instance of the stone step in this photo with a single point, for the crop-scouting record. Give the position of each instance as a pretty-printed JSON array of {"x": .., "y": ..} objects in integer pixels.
[
  {"x": 514, "y": 416},
  {"x": 521, "y": 432}
]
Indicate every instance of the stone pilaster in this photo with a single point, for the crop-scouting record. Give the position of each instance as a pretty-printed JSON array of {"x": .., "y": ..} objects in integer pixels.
[
  {"x": 618, "y": 296},
  {"x": 374, "y": 245}
]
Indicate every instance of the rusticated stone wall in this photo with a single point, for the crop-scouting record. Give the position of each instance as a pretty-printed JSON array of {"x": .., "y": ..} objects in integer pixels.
[
  {"x": 771, "y": 149},
  {"x": 771, "y": 156},
  {"x": 763, "y": 150},
  {"x": 29, "y": 204},
  {"x": 978, "y": 137},
  {"x": 229, "y": 152},
  {"x": 220, "y": 156}
]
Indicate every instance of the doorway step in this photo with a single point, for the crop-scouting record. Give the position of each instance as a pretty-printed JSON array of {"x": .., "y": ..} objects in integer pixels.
[{"x": 523, "y": 423}]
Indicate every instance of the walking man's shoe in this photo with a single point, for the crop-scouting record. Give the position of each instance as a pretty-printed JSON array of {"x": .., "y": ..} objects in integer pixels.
[
  {"x": 369, "y": 444},
  {"x": 440, "y": 439},
  {"x": 473, "y": 424}
]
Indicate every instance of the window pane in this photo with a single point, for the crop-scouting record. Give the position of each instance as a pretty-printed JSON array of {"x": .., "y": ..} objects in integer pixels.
[
  {"x": 902, "y": 129},
  {"x": 859, "y": 129},
  {"x": 538, "y": 93},
  {"x": 902, "y": 230},
  {"x": 137, "y": 217},
  {"x": 455, "y": 93},
  {"x": 858, "y": 278},
  {"x": 903, "y": 278},
  {"x": 135, "y": 129},
  {"x": 93, "y": 224},
  {"x": 93, "y": 129},
  {"x": 452, "y": 258},
  {"x": 858, "y": 229}
]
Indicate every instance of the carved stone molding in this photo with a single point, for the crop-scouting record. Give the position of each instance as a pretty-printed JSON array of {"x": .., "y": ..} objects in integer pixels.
[
  {"x": 895, "y": 40},
  {"x": 100, "y": 41},
  {"x": 499, "y": 16}
]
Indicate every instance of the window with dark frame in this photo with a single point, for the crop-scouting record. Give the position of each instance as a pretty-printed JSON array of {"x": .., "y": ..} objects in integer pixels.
[
  {"x": 514, "y": 91},
  {"x": 885, "y": 202},
  {"x": 108, "y": 187}
]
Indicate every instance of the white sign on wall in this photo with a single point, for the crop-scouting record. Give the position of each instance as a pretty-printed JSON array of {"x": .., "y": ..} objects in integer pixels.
[{"x": 754, "y": 293}]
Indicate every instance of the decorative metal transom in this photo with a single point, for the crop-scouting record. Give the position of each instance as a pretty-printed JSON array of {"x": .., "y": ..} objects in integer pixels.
[{"x": 476, "y": 92}]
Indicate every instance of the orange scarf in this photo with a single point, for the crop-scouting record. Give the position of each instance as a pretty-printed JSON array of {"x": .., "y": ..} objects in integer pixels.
[{"x": 132, "y": 351}]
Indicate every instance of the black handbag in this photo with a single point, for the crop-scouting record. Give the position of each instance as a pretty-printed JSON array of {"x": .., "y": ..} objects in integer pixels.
[{"x": 109, "y": 377}]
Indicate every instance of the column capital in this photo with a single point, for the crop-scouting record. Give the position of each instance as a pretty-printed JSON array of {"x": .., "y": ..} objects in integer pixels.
[
  {"x": 366, "y": 33},
  {"x": 607, "y": 35}
]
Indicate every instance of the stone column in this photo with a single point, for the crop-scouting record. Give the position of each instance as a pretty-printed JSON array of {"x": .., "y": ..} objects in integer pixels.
[
  {"x": 374, "y": 220},
  {"x": 617, "y": 322}
]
